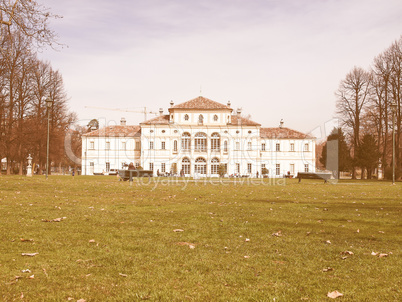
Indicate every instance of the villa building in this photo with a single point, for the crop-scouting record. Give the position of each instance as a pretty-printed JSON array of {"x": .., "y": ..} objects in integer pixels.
[{"x": 196, "y": 138}]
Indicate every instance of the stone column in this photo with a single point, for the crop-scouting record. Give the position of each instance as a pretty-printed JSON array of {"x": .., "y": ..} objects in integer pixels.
[{"x": 29, "y": 168}]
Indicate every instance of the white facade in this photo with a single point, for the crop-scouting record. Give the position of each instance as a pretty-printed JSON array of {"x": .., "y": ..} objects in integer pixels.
[{"x": 196, "y": 137}]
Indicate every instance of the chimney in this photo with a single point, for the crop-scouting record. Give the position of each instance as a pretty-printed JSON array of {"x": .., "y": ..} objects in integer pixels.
[
  {"x": 122, "y": 121},
  {"x": 238, "y": 116},
  {"x": 281, "y": 124},
  {"x": 160, "y": 111},
  {"x": 171, "y": 103},
  {"x": 229, "y": 104}
]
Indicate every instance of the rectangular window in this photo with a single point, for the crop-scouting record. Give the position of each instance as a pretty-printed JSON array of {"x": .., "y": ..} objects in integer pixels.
[
  {"x": 278, "y": 147},
  {"x": 292, "y": 147},
  {"x": 262, "y": 166},
  {"x": 91, "y": 167},
  {"x": 214, "y": 168},
  {"x": 263, "y": 147},
  {"x": 249, "y": 168},
  {"x": 237, "y": 146},
  {"x": 225, "y": 146},
  {"x": 175, "y": 146},
  {"x": 151, "y": 145},
  {"x": 107, "y": 167},
  {"x": 186, "y": 143},
  {"x": 215, "y": 144},
  {"x": 249, "y": 146},
  {"x": 92, "y": 145},
  {"x": 123, "y": 146},
  {"x": 200, "y": 144},
  {"x": 186, "y": 168},
  {"x": 306, "y": 147},
  {"x": 306, "y": 168},
  {"x": 137, "y": 145},
  {"x": 107, "y": 146},
  {"x": 163, "y": 167},
  {"x": 292, "y": 169},
  {"x": 163, "y": 146},
  {"x": 151, "y": 166},
  {"x": 137, "y": 164},
  {"x": 278, "y": 169},
  {"x": 237, "y": 168}
]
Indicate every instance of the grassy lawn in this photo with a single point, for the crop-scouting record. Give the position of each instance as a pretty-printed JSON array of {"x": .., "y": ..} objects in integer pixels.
[{"x": 197, "y": 241}]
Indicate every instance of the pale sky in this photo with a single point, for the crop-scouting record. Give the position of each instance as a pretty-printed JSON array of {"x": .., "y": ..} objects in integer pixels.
[{"x": 276, "y": 59}]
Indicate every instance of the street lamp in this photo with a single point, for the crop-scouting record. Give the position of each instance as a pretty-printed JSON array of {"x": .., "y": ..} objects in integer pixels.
[
  {"x": 393, "y": 107},
  {"x": 49, "y": 103}
]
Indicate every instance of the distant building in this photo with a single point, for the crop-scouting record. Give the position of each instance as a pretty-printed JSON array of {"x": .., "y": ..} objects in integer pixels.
[{"x": 196, "y": 137}]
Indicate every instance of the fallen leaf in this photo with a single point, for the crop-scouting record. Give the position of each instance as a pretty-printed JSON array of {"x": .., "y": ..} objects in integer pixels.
[
  {"x": 29, "y": 254},
  {"x": 92, "y": 241},
  {"x": 191, "y": 246},
  {"x": 328, "y": 269},
  {"x": 247, "y": 239},
  {"x": 374, "y": 254},
  {"x": 277, "y": 234},
  {"x": 70, "y": 298},
  {"x": 123, "y": 275},
  {"x": 31, "y": 277},
  {"x": 358, "y": 231},
  {"x": 186, "y": 243},
  {"x": 26, "y": 240},
  {"x": 22, "y": 296},
  {"x": 347, "y": 253},
  {"x": 335, "y": 294},
  {"x": 178, "y": 230},
  {"x": 25, "y": 271},
  {"x": 81, "y": 300},
  {"x": 246, "y": 257},
  {"x": 328, "y": 242},
  {"x": 382, "y": 255},
  {"x": 54, "y": 220}
]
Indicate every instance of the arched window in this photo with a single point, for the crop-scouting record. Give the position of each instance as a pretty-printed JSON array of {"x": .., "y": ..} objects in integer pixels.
[
  {"x": 186, "y": 141},
  {"x": 215, "y": 166},
  {"x": 200, "y": 166},
  {"x": 215, "y": 118},
  {"x": 186, "y": 117},
  {"x": 185, "y": 165},
  {"x": 225, "y": 146},
  {"x": 215, "y": 142},
  {"x": 175, "y": 145},
  {"x": 200, "y": 142},
  {"x": 200, "y": 119}
]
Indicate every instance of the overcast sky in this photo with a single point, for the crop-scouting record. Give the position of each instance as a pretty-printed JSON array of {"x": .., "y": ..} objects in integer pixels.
[{"x": 277, "y": 59}]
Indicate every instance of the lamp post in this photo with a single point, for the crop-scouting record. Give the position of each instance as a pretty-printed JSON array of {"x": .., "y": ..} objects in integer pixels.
[
  {"x": 393, "y": 107},
  {"x": 49, "y": 103}
]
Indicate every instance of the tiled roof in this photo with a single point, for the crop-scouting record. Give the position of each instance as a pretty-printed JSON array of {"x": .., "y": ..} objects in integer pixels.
[
  {"x": 238, "y": 120},
  {"x": 283, "y": 133},
  {"x": 201, "y": 103},
  {"x": 160, "y": 120},
  {"x": 131, "y": 131}
]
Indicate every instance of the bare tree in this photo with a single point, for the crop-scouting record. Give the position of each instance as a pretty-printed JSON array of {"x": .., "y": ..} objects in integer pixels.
[
  {"x": 352, "y": 95},
  {"x": 28, "y": 17},
  {"x": 396, "y": 95}
]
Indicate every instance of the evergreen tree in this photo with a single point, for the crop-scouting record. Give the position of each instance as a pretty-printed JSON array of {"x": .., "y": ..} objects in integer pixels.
[{"x": 368, "y": 155}]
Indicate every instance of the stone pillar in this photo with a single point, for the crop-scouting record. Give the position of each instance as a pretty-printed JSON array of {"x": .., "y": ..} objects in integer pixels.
[
  {"x": 29, "y": 168},
  {"x": 380, "y": 175}
]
